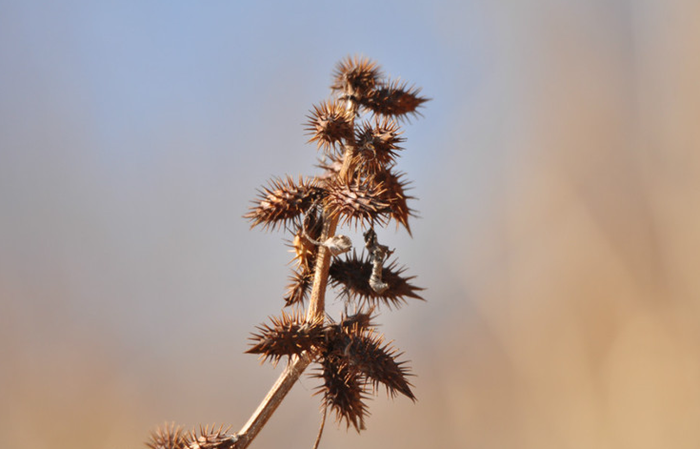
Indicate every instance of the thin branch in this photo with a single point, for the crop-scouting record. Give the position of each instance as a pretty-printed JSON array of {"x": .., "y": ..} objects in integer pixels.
[
  {"x": 320, "y": 429},
  {"x": 274, "y": 398}
]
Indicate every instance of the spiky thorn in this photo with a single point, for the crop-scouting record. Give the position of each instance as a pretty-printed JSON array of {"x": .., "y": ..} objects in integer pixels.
[
  {"x": 342, "y": 387},
  {"x": 354, "y": 357},
  {"x": 289, "y": 335},
  {"x": 377, "y": 361},
  {"x": 283, "y": 200},
  {"x": 299, "y": 285},
  {"x": 329, "y": 124},
  {"x": 396, "y": 99},
  {"x": 331, "y": 166},
  {"x": 355, "y": 78},
  {"x": 356, "y": 202},
  {"x": 377, "y": 144},
  {"x": 168, "y": 436},
  {"x": 395, "y": 196},
  {"x": 361, "y": 320},
  {"x": 212, "y": 438},
  {"x": 343, "y": 393}
]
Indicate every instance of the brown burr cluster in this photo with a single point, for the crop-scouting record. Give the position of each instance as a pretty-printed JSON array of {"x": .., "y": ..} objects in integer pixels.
[
  {"x": 357, "y": 132},
  {"x": 366, "y": 194}
]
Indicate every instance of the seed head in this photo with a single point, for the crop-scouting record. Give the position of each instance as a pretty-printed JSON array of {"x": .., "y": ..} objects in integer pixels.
[
  {"x": 288, "y": 335},
  {"x": 299, "y": 284},
  {"x": 168, "y": 436},
  {"x": 377, "y": 144},
  {"x": 396, "y": 99},
  {"x": 356, "y": 77},
  {"x": 283, "y": 200},
  {"x": 394, "y": 195},
  {"x": 352, "y": 275},
  {"x": 329, "y": 124},
  {"x": 342, "y": 390},
  {"x": 377, "y": 361},
  {"x": 353, "y": 201},
  {"x": 211, "y": 438},
  {"x": 359, "y": 320}
]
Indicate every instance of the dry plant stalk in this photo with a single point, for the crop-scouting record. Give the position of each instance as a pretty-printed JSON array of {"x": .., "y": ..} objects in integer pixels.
[{"x": 358, "y": 133}]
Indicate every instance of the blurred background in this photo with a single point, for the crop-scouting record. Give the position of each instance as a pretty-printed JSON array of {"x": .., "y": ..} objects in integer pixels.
[{"x": 558, "y": 174}]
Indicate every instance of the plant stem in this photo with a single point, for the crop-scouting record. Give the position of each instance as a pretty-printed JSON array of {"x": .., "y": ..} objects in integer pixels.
[
  {"x": 274, "y": 398},
  {"x": 317, "y": 303},
  {"x": 316, "y": 310}
]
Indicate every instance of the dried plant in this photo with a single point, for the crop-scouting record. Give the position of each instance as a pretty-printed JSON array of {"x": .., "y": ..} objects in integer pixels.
[{"x": 358, "y": 134}]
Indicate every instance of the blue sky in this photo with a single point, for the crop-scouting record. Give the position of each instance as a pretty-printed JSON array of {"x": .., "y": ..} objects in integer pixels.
[{"x": 134, "y": 134}]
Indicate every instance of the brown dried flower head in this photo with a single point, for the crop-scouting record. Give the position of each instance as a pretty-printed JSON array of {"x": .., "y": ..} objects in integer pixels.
[
  {"x": 353, "y": 201},
  {"x": 361, "y": 320},
  {"x": 288, "y": 335},
  {"x": 377, "y": 361},
  {"x": 396, "y": 99},
  {"x": 168, "y": 436},
  {"x": 343, "y": 392},
  {"x": 394, "y": 195},
  {"x": 329, "y": 124},
  {"x": 283, "y": 200},
  {"x": 351, "y": 275},
  {"x": 331, "y": 165},
  {"x": 299, "y": 285},
  {"x": 356, "y": 77},
  {"x": 353, "y": 363},
  {"x": 377, "y": 144},
  {"x": 212, "y": 438}
]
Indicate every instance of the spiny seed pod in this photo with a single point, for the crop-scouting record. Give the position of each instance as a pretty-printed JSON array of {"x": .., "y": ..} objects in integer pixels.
[
  {"x": 378, "y": 363},
  {"x": 352, "y": 275},
  {"x": 329, "y": 124},
  {"x": 359, "y": 320},
  {"x": 356, "y": 77},
  {"x": 168, "y": 436},
  {"x": 377, "y": 144},
  {"x": 331, "y": 165},
  {"x": 394, "y": 195},
  {"x": 342, "y": 391},
  {"x": 283, "y": 200},
  {"x": 211, "y": 438},
  {"x": 299, "y": 285},
  {"x": 365, "y": 353},
  {"x": 396, "y": 99},
  {"x": 354, "y": 201},
  {"x": 288, "y": 335}
]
